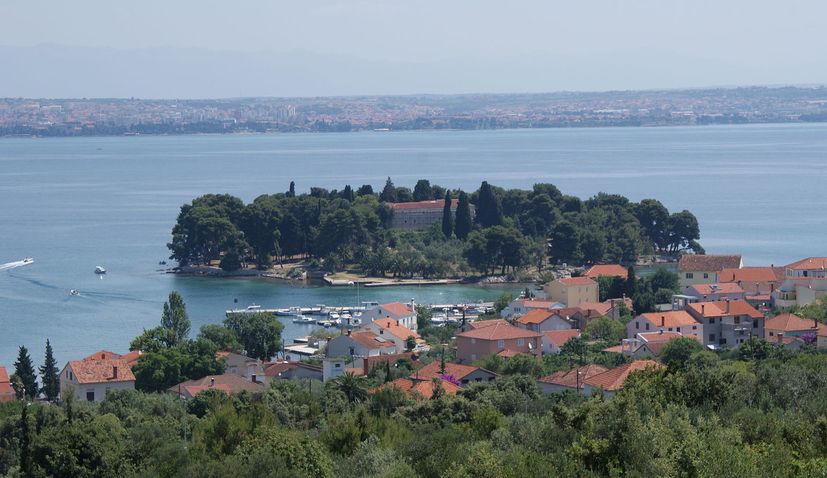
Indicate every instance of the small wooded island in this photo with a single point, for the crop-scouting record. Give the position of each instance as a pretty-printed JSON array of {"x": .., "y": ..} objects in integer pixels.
[{"x": 428, "y": 232}]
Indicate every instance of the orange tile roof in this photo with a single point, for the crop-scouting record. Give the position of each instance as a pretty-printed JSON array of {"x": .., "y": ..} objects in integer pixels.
[
  {"x": 722, "y": 288},
  {"x": 577, "y": 281},
  {"x": 810, "y": 263},
  {"x": 499, "y": 331},
  {"x": 602, "y": 308},
  {"x": 614, "y": 379},
  {"x": 433, "y": 204},
  {"x": 606, "y": 270},
  {"x": 397, "y": 308},
  {"x": 535, "y": 316},
  {"x": 660, "y": 336},
  {"x": 570, "y": 379},
  {"x": 102, "y": 355},
  {"x": 708, "y": 263},
  {"x": 790, "y": 323},
  {"x": 751, "y": 274},
  {"x": 537, "y": 304},
  {"x": 419, "y": 388},
  {"x": 227, "y": 383},
  {"x": 4, "y": 375},
  {"x": 395, "y": 328},
  {"x": 672, "y": 318},
  {"x": 458, "y": 371},
  {"x": 6, "y": 391},
  {"x": 615, "y": 349},
  {"x": 101, "y": 371},
  {"x": 369, "y": 340},
  {"x": 560, "y": 337},
  {"x": 507, "y": 353},
  {"x": 721, "y": 308},
  {"x": 481, "y": 324},
  {"x": 131, "y": 357}
]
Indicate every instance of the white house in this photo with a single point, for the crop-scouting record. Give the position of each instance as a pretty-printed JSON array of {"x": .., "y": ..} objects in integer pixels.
[
  {"x": 91, "y": 379},
  {"x": 404, "y": 313}
]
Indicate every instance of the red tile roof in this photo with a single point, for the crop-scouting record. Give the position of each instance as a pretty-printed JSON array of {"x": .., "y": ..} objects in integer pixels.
[
  {"x": 660, "y": 336},
  {"x": 673, "y": 318},
  {"x": 4, "y": 375},
  {"x": 397, "y": 308},
  {"x": 606, "y": 270},
  {"x": 434, "y": 204},
  {"x": 537, "y": 304},
  {"x": 507, "y": 353},
  {"x": 751, "y": 274},
  {"x": 577, "y": 281},
  {"x": 481, "y": 324},
  {"x": 708, "y": 263},
  {"x": 395, "y": 328},
  {"x": 810, "y": 263},
  {"x": 101, "y": 371},
  {"x": 419, "y": 388},
  {"x": 614, "y": 379},
  {"x": 227, "y": 383},
  {"x": 723, "y": 308},
  {"x": 102, "y": 355},
  {"x": 369, "y": 340},
  {"x": 499, "y": 331},
  {"x": 535, "y": 316},
  {"x": 560, "y": 337},
  {"x": 723, "y": 288},
  {"x": 276, "y": 368},
  {"x": 458, "y": 371},
  {"x": 131, "y": 358},
  {"x": 790, "y": 323},
  {"x": 601, "y": 308},
  {"x": 570, "y": 378},
  {"x": 6, "y": 391}
]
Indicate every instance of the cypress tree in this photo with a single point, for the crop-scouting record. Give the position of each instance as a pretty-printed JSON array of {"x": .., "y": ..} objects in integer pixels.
[
  {"x": 462, "y": 226},
  {"x": 49, "y": 374},
  {"x": 292, "y": 191},
  {"x": 175, "y": 319},
  {"x": 631, "y": 283},
  {"x": 489, "y": 209},
  {"x": 388, "y": 192},
  {"x": 447, "y": 219},
  {"x": 24, "y": 369}
]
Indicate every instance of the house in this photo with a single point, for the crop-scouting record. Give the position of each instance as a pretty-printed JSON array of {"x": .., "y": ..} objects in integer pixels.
[
  {"x": 392, "y": 329},
  {"x": 713, "y": 292},
  {"x": 540, "y": 320},
  {"x": 131, "y": 357},
  {"x": 245, "y": 367},
  {"x": 572, "y": 291},
  {"x": 91, "y": 379},
  {"x": 613, "y": 380},
  {"x": 606, "y": 270},
  {"x": 569, "y": 380},
  {"x": 6, "y": 391},
  {"x": 553, "y": 340},
  {"x": 785, "y": 326},
  {"x": 649, "y": 344},
  {"x": 671, "y": 321},
  {"x": 292, "y": 370},
  {"x": 404, "y": 313},
  {"x": 799, "y": 291},
  {"x": 227, "y": 383},
  {"x": 519, "y": 307},
  {"x": 366, "y": 364},
  {"x": 500, "y": 336},
  {"x": 359, "y": 343},
  {"x": 420, "y": 389},
  {"x": 727, "y": 322},
  {"x": 421, "y": 214},
  {"x": 456, "y": 373},
  {"x": 755, "y": 281},
  {"x": 809, "y": 268},
  {"x": 704, "y": 268}
]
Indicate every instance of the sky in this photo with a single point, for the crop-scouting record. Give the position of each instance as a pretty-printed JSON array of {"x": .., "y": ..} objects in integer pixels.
[{"x": 207, "y": 48}]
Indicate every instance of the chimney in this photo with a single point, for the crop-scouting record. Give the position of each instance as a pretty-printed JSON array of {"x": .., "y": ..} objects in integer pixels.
[
  {"x": 703, "y": 312},
  {"x": 662, "y": 320},
  {"x": 115, "y": 371},
  {"x": 212, "y": 381},
  {"x": 727, "y": 306},
  {"x": 103, "y": 356},
  {"x": 397, "y": 322}
]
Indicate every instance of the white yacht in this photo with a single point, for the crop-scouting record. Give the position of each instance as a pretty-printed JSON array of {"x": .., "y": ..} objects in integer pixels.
[{"x": 100, "y": 270}]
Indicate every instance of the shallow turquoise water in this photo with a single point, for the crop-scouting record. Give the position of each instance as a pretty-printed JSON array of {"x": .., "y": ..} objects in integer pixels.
[{"x": 74, "y": 203}]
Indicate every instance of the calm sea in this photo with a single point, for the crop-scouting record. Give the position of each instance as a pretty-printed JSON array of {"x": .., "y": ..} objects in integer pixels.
[{"x": 74, "y": 203}]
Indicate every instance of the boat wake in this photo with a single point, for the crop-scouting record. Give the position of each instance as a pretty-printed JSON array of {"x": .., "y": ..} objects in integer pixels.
[{"x": 16, "y": 264}]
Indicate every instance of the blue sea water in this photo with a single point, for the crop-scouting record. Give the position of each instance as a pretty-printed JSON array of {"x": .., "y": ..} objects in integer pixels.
[{"x": 74, "y": 203}]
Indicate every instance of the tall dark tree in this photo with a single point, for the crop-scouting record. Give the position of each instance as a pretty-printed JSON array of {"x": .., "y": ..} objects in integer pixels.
[
  {"x": 347, "y": 193},
  {"x": 291, "y": 193},
  {"x": 423, "y": 191},
  {"x": 24, "y": 370},
  {"x": 388, "y": 192},
  {"x": 462, "y": 226},
  {"x": 565, "y": 242},
  {"x": 365, "y": 190},
  {"x": 175, "y": 319},
  {"x": 259, "y": 334},
  {"x": 447, "y": 218},
  {"x": 489, "y": 209},
  {"x": 50, "y": 375},
  {"x": 631, "y": 282}
]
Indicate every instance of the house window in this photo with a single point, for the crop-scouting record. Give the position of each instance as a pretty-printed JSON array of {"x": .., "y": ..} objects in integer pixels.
[
  {"x": 694, "y": 327},
  {"x": 90, "y": 395},
  {"x": 678, "y": 329},
  {"x": 501, "y": 344},
  {"x": 352, "y": 351},
  {"x": 712, "y": 337},
  {"x": 637, "y": 325},
  {"x": 520, "y": 342},
  {"x": 711, "y": 320},
  {"x": 253, "y": 378},
  {"x": 647, "y": 325},
  {"x": 771, "y": 334},
  {"x": 473, "y": 357},
  {"x": 755, "y": 324},
  {"x": 706, "y": 275},
  {"x": 689, "y": 275},
  {"x": 338, "y": 365},
  {"x": 670, "y": 329},
  {"x": 473, "y": 340},
  {"x": 723, "y": 341}
]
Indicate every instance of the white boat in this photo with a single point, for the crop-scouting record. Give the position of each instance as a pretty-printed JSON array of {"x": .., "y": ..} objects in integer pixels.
[
  {"x": 253, "y": 307},
  {"x": 100, "y": 270},
  {"x": 28, "y": 260},
  {"x": 73, "y": 292},
  {"x": 303, "y": 319}
]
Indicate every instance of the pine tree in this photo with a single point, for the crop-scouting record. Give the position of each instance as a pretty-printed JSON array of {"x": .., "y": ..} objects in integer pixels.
[
  {"x": 49, "y": 375},
  {"x": 489, "y": 209},
  {"x": 24, "y": 369},
  {"x": 292, "y": 191},
  {"x": 388, "y": 192},
  {"x": 462, "y": 226},
  {"x": 175, "y": 318},
  {"x": 631, "y": 282},
  {"x": 447, "y": 219}
]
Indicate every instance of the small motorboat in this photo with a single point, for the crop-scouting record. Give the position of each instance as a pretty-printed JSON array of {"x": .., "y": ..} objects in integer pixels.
[
  {"x": 28, "y": 260},
  {"x": 254, "y": 307},
  {"x": 162, "y": 263},
  {"x": 73, "y": 292},
  {"x": 303, "y": 319},
  {"x": 100, "y": 270}
]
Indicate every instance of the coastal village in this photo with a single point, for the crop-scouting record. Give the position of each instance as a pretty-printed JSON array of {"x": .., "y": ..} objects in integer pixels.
[{"x": 720, "y": 304}]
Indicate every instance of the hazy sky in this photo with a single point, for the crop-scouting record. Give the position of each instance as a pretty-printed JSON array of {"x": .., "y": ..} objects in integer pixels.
[{"x": 345, "y": 47}]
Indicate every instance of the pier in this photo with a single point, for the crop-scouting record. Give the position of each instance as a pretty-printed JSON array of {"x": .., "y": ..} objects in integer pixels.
[{"x": 323, "y": 310}]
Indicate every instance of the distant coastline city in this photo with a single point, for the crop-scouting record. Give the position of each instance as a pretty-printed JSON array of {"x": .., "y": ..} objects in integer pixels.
[{"x": 94, "y": 117}]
